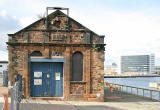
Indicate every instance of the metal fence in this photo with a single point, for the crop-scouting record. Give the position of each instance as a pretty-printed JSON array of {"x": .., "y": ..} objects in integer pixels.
[
  {"x": 16, "y": 96},
  {"x": 4, "y": 83},
  {"x": 141, "y": 92},
  {"x": 15, "y": 93},
  {"x": 19, "y": 103},
  {"x": 2, "y": 106}
]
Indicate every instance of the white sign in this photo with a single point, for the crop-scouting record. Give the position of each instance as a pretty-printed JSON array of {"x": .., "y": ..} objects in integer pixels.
[
  {"x": 57, "y": 76},
  {"x": 37, "y": 81},
  {"x": 37, "y": 74}
]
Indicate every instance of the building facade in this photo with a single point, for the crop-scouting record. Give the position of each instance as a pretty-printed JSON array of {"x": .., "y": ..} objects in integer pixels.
[
  {"x": 111, "y": 69},
  {"x": 58, "y": 57},
  {"x": 3, "y": 66},
  {"x": 157, "y": 70},
  {"x": 138, "y": 64}
]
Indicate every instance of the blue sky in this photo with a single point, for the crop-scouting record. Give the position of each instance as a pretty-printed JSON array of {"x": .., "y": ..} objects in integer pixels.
[{"x": 130, "y": 26}]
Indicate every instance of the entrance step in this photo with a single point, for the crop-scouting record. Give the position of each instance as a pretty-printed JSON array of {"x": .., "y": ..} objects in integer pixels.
[{"x": 47, "y": 98}]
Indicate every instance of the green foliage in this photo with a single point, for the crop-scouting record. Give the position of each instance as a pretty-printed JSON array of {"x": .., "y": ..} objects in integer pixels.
[
  {"x": 97, "y": 47},
  {"x": 65, "y": 26}
]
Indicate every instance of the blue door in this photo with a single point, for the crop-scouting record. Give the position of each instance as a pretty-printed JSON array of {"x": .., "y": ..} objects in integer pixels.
[{"x": 46, "y": 79}]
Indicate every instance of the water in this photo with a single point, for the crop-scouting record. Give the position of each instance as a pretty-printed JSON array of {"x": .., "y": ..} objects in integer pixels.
[{"x": 141, "y": 82}]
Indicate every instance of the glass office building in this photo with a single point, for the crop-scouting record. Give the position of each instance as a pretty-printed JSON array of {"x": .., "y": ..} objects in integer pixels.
[{"x": 138, "y": 64}]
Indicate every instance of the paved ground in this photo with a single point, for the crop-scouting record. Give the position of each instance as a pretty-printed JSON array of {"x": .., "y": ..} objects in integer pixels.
[
  {"x": 75, "y": 105},
  {"x": 121, "y": 101}
]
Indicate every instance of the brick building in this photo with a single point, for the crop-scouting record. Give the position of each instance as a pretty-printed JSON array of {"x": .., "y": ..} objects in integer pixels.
[{"x": 58, "y": 57}]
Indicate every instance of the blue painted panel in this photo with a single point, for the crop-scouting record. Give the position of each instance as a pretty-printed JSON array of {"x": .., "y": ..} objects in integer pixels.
[
  {"x": 57, "y": 84},
  {"x": 19, "y": 78},
  {"x": 38, "y": 90},
  {"x": 5, "y": 78},
  {"x": 46, "y": 60},
  {"x": 50, "y": 86}
]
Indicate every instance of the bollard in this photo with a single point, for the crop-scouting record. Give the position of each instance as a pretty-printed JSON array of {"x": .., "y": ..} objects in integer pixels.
[
  {"x": 4, "y": 92},
  {"x": 111, "y": 88},
  {"x": 6, "y": 102}
]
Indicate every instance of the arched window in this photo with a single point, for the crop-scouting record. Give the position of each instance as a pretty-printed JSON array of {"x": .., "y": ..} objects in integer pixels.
[
  {"x": 56, "y": 53},
  {"x": 77, "y": 66},
  {"x": 36, "y": 53}
]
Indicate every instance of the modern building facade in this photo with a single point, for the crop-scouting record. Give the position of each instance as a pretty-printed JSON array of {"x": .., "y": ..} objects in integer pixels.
[
  {"x": 111, "y": 69},
  {"x": 138, "y": 64},
  {"x": 3, "y": 67},
  {"x": 157, "y": 70},
  {"x": 59, "y": 58}
]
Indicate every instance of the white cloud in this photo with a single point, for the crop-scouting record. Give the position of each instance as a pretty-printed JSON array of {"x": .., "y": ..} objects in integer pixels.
[
  {"x": 25, "y": 21},
  {"x": 127, "y": 33},
  {"x": 14, "y": 17},
  {"x": 4, "y": 56},
  {"x": 135, "y": 32},
  {"x": 3, "y": 13}
]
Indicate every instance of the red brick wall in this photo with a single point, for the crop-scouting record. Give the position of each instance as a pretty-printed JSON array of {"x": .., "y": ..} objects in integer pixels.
[
  {"x": 97, "y": 73},
  {"x": 90, "y": 88},
  {"x": 78, "y": 88}
]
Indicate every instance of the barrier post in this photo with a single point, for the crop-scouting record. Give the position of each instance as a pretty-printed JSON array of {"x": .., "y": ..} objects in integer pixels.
[
  {"x": 4, "y": 93},
  {"x": 6, "y": 102}
]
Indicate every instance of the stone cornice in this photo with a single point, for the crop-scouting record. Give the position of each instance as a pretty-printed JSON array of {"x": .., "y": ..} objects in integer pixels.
[{"x": 50, "y": 44}]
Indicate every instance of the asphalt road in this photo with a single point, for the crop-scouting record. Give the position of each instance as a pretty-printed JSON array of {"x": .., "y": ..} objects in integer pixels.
[
  {"x": 126, "y": 102},
  {"x": 63, "y": 107},
  {"x": 74, "y": 105}
]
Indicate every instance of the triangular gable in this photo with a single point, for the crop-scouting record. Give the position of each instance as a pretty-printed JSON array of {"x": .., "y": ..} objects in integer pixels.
[{"x": 52, "y": 15}]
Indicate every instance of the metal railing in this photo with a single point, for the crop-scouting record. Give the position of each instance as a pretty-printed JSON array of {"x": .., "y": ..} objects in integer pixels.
[
  {"x": 5, "y": 104},
  {"x": 142, "y": 92},
  {"x": 4, "y": 91}
]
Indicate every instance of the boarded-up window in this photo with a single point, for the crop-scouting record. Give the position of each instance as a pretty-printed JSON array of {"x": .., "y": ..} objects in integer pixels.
[
  {"x": 36, "y": 53},
  {"x": 77, "y": 66}
]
